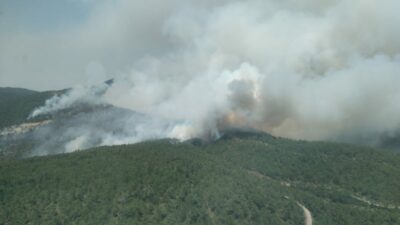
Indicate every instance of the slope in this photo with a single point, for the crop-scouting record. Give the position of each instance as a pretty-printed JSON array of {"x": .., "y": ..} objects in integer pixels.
[
  {"x": 16, "y": 104},
  {"x": 149, "y": 183},
  {"x": 244, "y": 178}
]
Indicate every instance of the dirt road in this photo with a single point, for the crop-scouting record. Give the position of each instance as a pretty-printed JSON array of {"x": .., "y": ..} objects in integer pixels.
[{"x": 307, "y": 215}]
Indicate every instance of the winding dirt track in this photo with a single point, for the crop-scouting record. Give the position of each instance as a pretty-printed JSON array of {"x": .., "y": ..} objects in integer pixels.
[
  {"x": 307, "y": 215},
  {"x": 308, "y": 220}
]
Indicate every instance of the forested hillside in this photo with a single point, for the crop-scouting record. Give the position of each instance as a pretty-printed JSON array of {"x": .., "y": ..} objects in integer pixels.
[
  {"x": 16, "y": 104},
  {"x": 243, "y": 178}
]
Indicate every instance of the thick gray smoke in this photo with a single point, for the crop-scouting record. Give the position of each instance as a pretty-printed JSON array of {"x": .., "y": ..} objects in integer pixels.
[
  {"x": 306, "y": 69},
  {"x": 91, "y": 126}
]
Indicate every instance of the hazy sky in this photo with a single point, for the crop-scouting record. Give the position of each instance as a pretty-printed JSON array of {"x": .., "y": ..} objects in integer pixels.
[
  {"x": 32, "y": 35},
  {"x": 47, "y": 44}
]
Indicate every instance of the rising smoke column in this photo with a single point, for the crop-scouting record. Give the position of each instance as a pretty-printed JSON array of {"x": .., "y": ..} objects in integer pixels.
[
  {"x": 301, "y": 69},
  {"x": 308, "y": 69}
]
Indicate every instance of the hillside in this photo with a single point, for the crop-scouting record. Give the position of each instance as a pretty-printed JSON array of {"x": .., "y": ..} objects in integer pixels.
[
  {"x": 16, "y": 104},
  {"x": 244, "y": 178},
  {"x": 78, "y": 125},
  {"x": 70, "y": 124}
]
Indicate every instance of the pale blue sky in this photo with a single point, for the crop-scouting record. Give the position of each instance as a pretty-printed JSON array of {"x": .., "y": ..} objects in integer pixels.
[
  {"x": 59, "y": 40},
  {"x": 54, "y": 44},
  {"x": 41, "y": 15}
]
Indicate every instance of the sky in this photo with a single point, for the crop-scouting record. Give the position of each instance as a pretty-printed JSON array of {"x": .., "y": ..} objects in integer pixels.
[
  {"x": 30, "y": 42},
  {"x": 46, "y": 44}
]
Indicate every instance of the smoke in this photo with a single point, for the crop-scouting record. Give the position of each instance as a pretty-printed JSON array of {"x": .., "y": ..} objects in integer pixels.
[
  {"x": 94, "y": 125},
  {"x": 308, "y": 69},
  {"x": 73, "y": 97}
]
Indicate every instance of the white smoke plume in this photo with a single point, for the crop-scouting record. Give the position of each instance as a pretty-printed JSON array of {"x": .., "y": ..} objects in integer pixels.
[
  {"x": 305, "y": 69},
  {"x": 78, "y": 95}
]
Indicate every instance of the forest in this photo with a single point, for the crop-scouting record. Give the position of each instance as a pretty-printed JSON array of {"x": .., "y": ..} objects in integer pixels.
[{"x": 243, "y": 178}]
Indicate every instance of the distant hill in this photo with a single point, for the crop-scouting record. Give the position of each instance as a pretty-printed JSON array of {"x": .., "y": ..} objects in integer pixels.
[
  {"x": 16, "y": 104},
  {"x": 245, "y": 178},
  {"x": 52, "y": 131}
]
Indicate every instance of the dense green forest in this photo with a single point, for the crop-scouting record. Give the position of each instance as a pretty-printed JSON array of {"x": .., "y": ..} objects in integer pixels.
[{"x": 243, "y": 178}]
